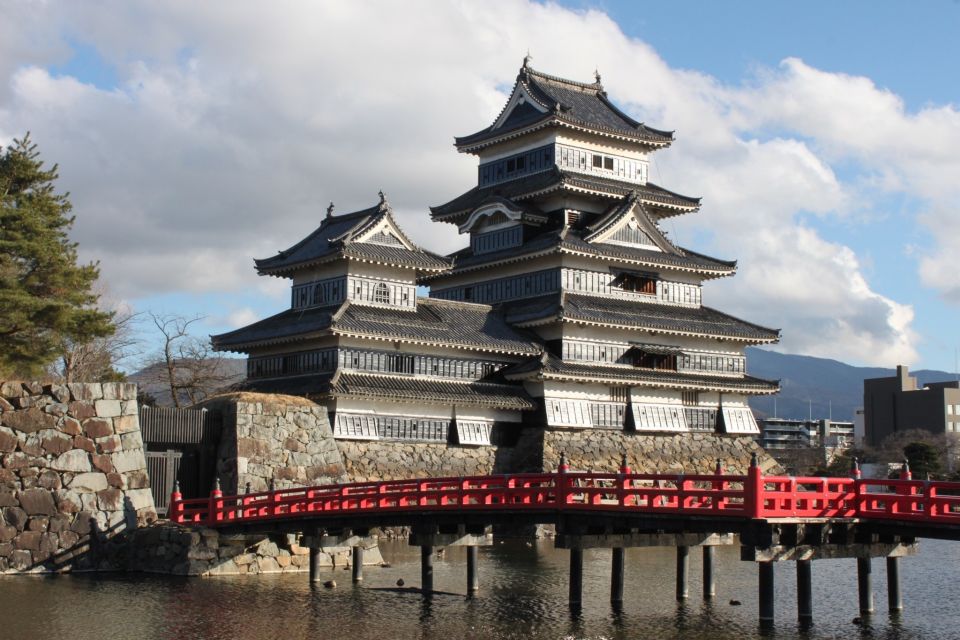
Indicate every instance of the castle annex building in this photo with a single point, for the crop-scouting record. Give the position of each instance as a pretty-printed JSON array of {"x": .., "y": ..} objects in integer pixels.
[{"x": 569, "y": 308}]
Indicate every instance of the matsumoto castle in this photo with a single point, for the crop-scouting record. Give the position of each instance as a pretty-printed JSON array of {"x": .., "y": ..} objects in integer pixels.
[{"x": 569, "y": 308}]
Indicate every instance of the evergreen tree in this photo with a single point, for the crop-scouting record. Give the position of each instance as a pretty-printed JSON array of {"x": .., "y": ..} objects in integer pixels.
[{"x": 45, "y": 296}]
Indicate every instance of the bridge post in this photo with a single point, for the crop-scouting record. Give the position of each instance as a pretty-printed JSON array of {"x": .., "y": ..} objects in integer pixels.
[
  {"x": 426, "y": 568},
  {"x": 683, "y": 561},
  {"x": 894, "y": 600},
  {"x": 616, "y": 577},
  {"x": 709, "y": 580},
  {"x": 805, "y": 591},
  {"x": 473, "y": 580},
  {"x": 765, "y": 569},
  {"x": 865, "y": 585},
  {"x": 314, "y": 564},
  {"x": 358, "y": 563},
  {"x": 576, "y": 576}
]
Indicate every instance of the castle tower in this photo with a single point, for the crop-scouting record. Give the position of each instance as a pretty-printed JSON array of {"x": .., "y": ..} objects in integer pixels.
[{"x": 565, "y": 241}]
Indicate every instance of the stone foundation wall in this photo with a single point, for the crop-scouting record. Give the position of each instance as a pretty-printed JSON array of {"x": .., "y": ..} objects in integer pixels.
[
  {"x": 72, "y": 473},
  {"x": 598, "y": 450},
  {"x": 173, "y": 549},
  {"x": 274, "y": 437},
  {"x": 365, "y": 461}
]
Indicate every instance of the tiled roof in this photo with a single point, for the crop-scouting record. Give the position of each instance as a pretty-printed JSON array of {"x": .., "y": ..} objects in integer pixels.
[
  {"x": 333, "y": 239},
  {"x": 292, "y": 324},
  {"x": 440, "y": 322},
  {"x": 553, "y": 368},
  {"x": 567, "y": 103},
  {"x": 649, "y": 316},
  {"x": 570, "y": 241},
  {"x": 557, "y": 179},
  {"x": 435, "y": 322},
  {"x": 412, "y": 389}
]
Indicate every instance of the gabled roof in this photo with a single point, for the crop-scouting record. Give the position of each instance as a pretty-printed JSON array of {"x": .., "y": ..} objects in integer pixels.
[
  {"x": 553, "y": 368},
  {"x": 624, "y": 313},
  {"x": 539, "y": 100},
  {"x": 569, "y": 241},
  {"x": 661, "y": 202},
  {"x": 434, "y": 322},
  {"x": 351, "y": 236}
]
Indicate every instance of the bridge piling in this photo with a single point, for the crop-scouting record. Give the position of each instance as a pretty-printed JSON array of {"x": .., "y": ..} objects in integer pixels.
[
  {"x": 709, "y": 579},
  {"x": 805, "y": 592},
  {"x": 358, "y": 564},
  {"x": 894, "y": 599},
  {"x": 314, "y": 564},
  {"x": 865, "y": 585},
  {"x": 683, "y": 562},
  {"x": 765, "y": 592},
  {"x": 616, "y": 576},
  {"x": 576, "y": 576},
  {"x": 473, "y": 580},
  {"x": 426, "y": 568}
]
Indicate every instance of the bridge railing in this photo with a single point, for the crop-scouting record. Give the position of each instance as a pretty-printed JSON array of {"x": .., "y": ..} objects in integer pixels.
[{"x": 717, "y": 495}]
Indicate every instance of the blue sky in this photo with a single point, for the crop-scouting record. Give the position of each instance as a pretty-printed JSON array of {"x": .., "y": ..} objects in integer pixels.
[{"x": 822, "y": 137}]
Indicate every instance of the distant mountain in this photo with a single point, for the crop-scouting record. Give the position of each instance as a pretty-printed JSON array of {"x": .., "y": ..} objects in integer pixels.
[{"x": 818, "y": 386}]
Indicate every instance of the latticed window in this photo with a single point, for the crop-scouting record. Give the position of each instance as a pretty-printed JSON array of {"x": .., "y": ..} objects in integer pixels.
[{"x": 381, "y": 293}]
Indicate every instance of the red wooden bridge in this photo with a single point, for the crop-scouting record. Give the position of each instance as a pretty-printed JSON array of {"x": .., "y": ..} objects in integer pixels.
[
  {"x": 777, "y": 518},
  {"x": 753, "y": 496}
]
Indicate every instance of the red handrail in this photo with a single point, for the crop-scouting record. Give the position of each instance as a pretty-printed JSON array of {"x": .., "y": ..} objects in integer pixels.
[{"x": 751, "y": 496}]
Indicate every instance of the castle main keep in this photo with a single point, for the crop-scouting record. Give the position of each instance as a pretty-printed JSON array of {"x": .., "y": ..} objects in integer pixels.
[{"x": 569, "y": 310}]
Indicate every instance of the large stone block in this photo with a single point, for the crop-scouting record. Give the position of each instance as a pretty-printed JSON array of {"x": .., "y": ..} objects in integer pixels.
[
  {"x": 8, "y": 441},
  {"x": 85, "y": 391},
  {"x": 81, "y": 410},
  {"x": 140, "y": 499},
  {"x": 132, "y": 460},
  {"x": 37, "y": 501},
  {"x": 126, "y": 423},
  {"x": 108, "y": 408},
  {"x": 97, "y": 427},
  {"x": 28, "y": 420},
  {"x": 75, "y": 460},
  {"x": 110, "y": 500},
  {"x": 89, "y": 482},
  {"x": 57, "y": 445},
  {"x": 132, "y": 440},
  {"x": 11, "y": 389}
]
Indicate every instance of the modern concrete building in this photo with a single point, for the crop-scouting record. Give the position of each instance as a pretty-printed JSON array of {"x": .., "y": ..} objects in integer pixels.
[
  {"x": 898, "y": 403},
  {"x": 784, "y": 433}
]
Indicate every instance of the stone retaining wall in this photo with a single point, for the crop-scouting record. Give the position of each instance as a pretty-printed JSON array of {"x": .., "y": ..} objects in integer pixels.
[
  {"x": 72, "y": 473},
  {"x": 172, "y": 549},
  {"x": 598, "y": 450},
  {"x": 267, "y": 437}
]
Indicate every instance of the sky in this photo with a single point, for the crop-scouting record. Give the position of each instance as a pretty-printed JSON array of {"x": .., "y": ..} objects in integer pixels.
[{"x": 193, "y": 137}]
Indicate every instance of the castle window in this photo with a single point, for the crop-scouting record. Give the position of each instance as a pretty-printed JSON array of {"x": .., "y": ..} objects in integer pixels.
[
  {"x": 636, "y": 283},
  {"x": 381, "y": 293},
  {"x": 468, "y": 293},
  {"x": 597, "y": 161}
]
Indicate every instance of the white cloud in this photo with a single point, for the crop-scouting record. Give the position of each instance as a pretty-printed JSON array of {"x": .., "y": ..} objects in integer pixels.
[{"x": 231, "y": 130}]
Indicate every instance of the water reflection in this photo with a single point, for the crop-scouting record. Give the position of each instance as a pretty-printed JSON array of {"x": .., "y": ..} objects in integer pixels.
[{"x": 523, "y": 595}]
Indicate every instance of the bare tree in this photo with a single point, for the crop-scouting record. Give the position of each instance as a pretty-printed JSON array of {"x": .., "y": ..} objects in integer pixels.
[
  {"x": 100, "y": 359},
  {"x": 186, "y": 365}
]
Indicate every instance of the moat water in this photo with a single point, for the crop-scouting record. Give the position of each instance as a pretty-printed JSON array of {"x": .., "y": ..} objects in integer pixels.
[{"x": 523, "y": 596}]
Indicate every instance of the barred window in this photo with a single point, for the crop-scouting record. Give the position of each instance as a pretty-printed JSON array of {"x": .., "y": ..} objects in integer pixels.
[{"x": 381, "y": 294}]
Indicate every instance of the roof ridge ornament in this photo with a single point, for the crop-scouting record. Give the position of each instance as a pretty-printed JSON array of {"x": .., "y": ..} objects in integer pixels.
[
  {"x": 383, "y": 204},
  {"x": 526, "y": 61},
  {"x": 596, "y": 74},
  {"x": 330, "y": 210}
]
